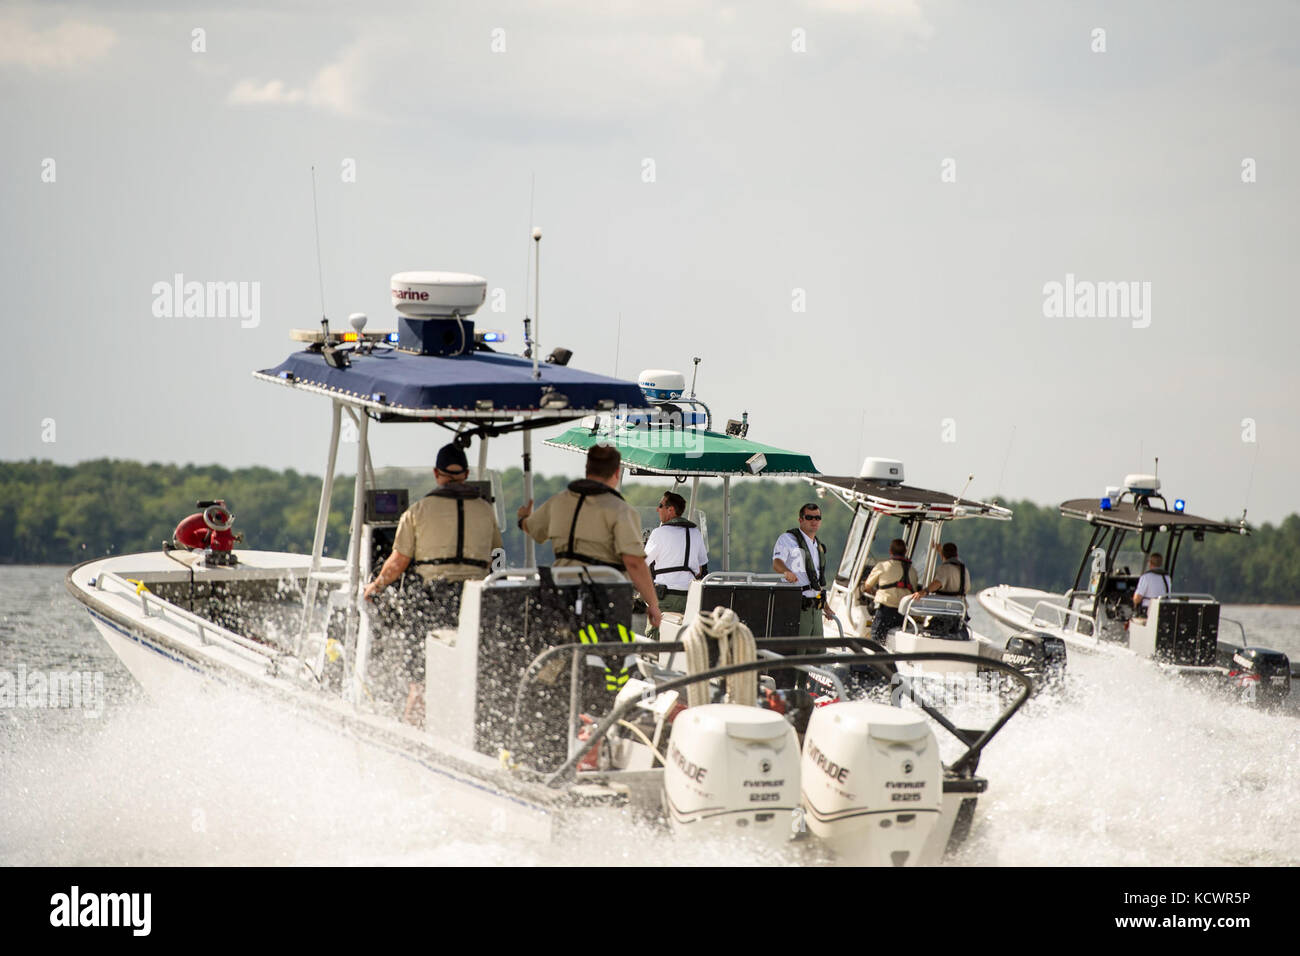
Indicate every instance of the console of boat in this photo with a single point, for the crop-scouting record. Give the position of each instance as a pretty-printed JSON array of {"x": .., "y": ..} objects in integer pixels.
[
  {"x": 540, "y": 702},
  {"x": 1180, "y": 630}
]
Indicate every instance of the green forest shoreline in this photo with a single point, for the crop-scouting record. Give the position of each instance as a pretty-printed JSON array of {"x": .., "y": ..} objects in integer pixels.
[{"x": 61, "y": 515}]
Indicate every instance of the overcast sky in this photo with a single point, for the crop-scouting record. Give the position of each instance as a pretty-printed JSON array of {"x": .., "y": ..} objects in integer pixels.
[{"x": 851, "y": 210}]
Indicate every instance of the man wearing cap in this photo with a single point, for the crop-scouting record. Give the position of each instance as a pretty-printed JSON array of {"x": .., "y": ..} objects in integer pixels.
[
  {"x": 447, "y": 536},
  {"x": 589, "y": 523}
]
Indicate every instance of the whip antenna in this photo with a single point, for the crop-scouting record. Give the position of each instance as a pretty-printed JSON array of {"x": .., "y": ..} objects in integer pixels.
[
  {"x": 1005, "y": 458},
  {"x": 320, "y": 270}
]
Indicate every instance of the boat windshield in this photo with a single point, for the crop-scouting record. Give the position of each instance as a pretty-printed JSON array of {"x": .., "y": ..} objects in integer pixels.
[
  {"x": 1129, "y": 561},
  {"x": 853, "y": 543}
]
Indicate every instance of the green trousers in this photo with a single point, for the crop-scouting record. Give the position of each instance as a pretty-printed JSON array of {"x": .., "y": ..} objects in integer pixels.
[
  {"x": 810, "y": 624},
  {"x": 669, "y": 602}
]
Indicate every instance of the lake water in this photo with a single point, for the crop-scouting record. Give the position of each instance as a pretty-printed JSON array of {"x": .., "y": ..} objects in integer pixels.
[{"x": 1128, "y": 767}]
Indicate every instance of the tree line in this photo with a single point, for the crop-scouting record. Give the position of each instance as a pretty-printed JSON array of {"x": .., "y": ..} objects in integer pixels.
[{"x": 63, "y": 514}]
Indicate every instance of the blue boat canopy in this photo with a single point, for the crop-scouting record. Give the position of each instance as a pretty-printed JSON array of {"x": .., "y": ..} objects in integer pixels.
[{"x": 481, "y": 385}]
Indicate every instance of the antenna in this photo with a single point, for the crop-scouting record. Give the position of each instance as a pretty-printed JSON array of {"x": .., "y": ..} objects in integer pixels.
[
  {"x": 965, "y": 488},
  {"x": 618, "y": 343},
  {"x": 528, "y": 273},
  {"x": 320, "y": 271},
  {"x": 695, "y": 374},
  {"x": 1250, "y": 484},
  {"x": 1157, "y": 471},
  {"x": 537, "y": 308},
  {"x": 1005, "y": 458}
]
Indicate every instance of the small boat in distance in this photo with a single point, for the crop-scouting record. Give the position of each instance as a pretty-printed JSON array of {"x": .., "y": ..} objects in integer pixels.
[{"x": 1180, "y": 631}]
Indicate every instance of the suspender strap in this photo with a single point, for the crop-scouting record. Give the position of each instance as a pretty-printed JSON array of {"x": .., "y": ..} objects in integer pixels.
[
  {"x": 961, "y": 579},
  {"x": 686, "y": 551},
  {"x": 820, "y": 584},
  {"x": 903, "y": 582},
  {"x": 582, "y": 489},
  {"x": 460, "y": 536}
]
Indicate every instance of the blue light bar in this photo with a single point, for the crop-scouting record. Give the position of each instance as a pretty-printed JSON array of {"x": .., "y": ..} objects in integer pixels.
[
  {"x": 1105, "y": 504},
  {"x": 392, "y": 336},
  {"x": 1179, "y": 504},
  {"x": 492, "y": 336}
]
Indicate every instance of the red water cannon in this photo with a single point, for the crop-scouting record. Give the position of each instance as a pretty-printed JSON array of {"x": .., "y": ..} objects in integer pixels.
[{"x": 209, "y": 531}]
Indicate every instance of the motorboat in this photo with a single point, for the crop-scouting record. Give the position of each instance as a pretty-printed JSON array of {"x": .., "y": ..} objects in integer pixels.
[
  {"x": 541, "y": 703},
  {"x": 1181, "y": 631},
  {"x": 882, "y": 502}
]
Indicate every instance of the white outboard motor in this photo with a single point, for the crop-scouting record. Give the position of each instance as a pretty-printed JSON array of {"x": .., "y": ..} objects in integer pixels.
[
  {"x": 872, "y": 782},
  {"x": 732, "y": 769}
]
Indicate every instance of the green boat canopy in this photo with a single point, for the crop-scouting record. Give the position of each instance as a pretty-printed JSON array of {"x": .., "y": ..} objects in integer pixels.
[{"x": 688, "y": 451}]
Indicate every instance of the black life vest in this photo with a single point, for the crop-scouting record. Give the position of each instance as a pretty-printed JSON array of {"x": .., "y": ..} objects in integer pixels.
[
  {"x": 584, "y": 488},
  {"x": 461, "y": 493},
  {"x": 820, "y": 584},
  {"x": 902, "y": 583},
  {"x": 961, "y": 578},
  {"x": 686, "y": 526}
]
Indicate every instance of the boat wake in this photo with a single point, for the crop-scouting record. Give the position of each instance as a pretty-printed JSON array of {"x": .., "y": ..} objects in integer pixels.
[{"x": 1133, "y": 768}]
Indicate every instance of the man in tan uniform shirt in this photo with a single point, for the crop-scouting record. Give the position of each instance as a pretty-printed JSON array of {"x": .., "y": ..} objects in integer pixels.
[
  {"x": 890, "y": 581},
  {"x": 952, "y": 578},
  {"x": 589, "y": 523},
  {"x": 447, "y": 536}
]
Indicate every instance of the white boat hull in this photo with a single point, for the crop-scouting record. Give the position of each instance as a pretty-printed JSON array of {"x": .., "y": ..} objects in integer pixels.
[{"x": 169, "y": 665}]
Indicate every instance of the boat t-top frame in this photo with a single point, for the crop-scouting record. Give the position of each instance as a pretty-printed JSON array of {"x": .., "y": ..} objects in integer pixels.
[
  {"x": 870, "y": 500},
  {"x": 471, "y": 390},
  {"x": 1144, "y": 513}
]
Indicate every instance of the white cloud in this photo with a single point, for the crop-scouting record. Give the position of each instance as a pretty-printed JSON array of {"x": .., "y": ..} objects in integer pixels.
[
  {"x": 339, "y": 85},
  {"x": 273, "y": 92},
  {"x": 71, "y": 44}
]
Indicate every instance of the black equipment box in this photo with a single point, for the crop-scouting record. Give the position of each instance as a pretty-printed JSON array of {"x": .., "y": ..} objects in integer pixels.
[{"x": 518, "y": 620}]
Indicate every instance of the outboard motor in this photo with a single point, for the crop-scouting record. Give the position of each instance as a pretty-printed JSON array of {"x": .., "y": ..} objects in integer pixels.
[
  {"x": 732, "y": 769},
  {"x": 1041, "y": 657},
  {"x": 1262, "y": 675},
  {"x": 872, "y": 782}
]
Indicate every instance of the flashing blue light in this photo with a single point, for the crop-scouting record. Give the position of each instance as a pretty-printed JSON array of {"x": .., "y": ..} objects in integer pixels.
[
  {"x": 493, "y": 336},
  {"x": 1105, "y": 504},
  {"x": 392, "y": 336},
  {"x": 1179, "y": 504}
]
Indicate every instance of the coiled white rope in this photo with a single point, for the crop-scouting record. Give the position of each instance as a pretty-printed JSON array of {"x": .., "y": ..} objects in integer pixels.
[{"x": 735, "y": 646}]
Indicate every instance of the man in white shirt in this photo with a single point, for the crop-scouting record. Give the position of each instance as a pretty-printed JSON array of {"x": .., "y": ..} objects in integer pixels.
[
  {"x": 1153, "y": 583},
  {"x": 802, "y": 559},
  {"x": 676, "y": 555}
]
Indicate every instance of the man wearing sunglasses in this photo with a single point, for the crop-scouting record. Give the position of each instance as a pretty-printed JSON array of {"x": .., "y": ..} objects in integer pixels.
[
  {"x": 447, "y": 537},
  {"x": 802, "y": 559},
  {"x": 676, "y": 555}
]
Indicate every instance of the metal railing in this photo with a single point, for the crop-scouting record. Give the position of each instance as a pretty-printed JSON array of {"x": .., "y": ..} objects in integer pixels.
[
  {"x": 975, "y": 740},
  {"x": 206, "y": 631}
]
